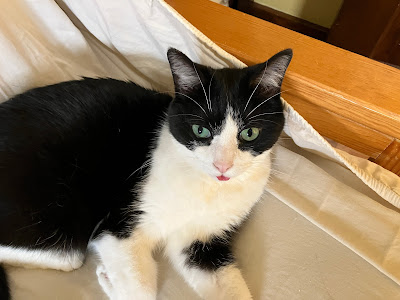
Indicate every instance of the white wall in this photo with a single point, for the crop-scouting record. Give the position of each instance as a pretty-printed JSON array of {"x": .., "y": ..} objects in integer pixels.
[{"x": 321, "y": 12}]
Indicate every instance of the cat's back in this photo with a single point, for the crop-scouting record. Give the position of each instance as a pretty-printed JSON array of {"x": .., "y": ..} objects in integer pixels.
[
  {"x": 68, "y": 150},
  {"x": 87, "y": 119},
  {"x": 85, "y": 103}
]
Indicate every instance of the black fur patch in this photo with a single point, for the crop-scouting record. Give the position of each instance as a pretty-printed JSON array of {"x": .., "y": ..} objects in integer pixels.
[
  {"x": 67, "y": 154},
  {"x": 211, "y": 255},
  {"x": 4, "y": 288}
]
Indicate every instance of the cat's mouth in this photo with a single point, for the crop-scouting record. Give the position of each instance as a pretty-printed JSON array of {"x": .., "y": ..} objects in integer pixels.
[{"x": 222, "y": 178}]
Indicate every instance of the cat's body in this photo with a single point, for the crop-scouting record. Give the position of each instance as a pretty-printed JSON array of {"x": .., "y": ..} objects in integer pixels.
[
  {"x": 69, "y": 154},
  {"x": 129, "y": 170}
]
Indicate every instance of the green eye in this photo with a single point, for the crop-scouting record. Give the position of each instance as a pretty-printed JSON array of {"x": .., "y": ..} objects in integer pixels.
[
  {"x": 249, "y": 134},
  {"x": 201, "y": 132}
]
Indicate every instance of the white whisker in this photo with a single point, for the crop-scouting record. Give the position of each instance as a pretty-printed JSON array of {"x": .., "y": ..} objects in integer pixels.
[
  {"x": 208, "y": 104},
  {"x": 263, "y": 120},
  {"x": 29, "y": 225},
  {"x": 193, "y": 101},
  {"x": 265, "y": 102},
  {"x": 177, "y": 115},
  {"x": 266, "y": 64},
  {"x": 145, "y": 164},
  {"x": 209, "y": 89},
  {"x": 41, "y": 242},
  {"x": 55, "y": 243},
  {"x": 268, "y": 113}
]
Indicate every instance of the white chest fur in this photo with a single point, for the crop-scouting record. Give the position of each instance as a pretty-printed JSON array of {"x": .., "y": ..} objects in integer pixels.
[{"x": 180, "y": 201}]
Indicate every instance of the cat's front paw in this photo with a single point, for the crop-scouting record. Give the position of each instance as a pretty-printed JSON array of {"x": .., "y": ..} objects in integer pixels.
[
  {"x": 104, "y": 281},
  {"x": 121, "y": 286}
]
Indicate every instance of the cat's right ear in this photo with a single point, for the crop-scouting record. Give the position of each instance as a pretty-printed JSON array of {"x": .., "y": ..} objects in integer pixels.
[
  {"x": 184, "y": 71},
  {"x": 270, "y": 74}
]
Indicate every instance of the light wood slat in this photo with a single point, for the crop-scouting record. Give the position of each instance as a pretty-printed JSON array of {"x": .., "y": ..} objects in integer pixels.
[
  {"x": 344, "y": 130},
  {"x": 353, "y": 108},
  {"x": 363, "y": 91}
]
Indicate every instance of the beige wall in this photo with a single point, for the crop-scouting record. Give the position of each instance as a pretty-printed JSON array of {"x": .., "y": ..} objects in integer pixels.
[{"x": 321, "y": 12}]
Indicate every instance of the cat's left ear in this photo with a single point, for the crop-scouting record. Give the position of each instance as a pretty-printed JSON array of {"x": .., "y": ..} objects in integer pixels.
[
  {"x": 184, "y": 71},
  {"x": 270, "y": 74}
]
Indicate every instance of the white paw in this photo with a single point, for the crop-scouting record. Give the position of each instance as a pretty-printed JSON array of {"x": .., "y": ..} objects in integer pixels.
[
  {"x": 121, "y": 285},
  {"x": 104, "y": 281},
  {"x": 116, "y": 270}
]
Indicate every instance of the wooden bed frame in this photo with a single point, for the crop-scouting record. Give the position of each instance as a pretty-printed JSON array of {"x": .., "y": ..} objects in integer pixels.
[{"x": 348, "y": 98}]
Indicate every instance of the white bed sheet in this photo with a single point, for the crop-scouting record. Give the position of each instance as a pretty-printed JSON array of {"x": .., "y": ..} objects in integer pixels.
[{"x": 326, "y": 227}]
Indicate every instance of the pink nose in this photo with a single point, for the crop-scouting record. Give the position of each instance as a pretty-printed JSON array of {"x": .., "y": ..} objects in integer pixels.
[{"x": 223, "y": 166}]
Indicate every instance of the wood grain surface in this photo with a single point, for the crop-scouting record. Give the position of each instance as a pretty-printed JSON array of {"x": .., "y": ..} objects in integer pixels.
[{"x": 390, "y": 158}]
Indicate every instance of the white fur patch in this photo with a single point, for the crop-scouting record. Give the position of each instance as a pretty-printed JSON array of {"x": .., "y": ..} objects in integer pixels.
[
  {"x": 224, "y": 147},
  {"x": 182, "y": 196},
  {"x": 44, "y": 259}
]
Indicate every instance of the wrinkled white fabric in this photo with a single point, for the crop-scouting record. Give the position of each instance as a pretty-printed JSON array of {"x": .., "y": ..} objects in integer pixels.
[{"x": 326, "y": 227}]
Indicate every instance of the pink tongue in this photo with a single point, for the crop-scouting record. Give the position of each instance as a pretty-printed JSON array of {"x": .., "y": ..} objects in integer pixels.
[{"x": 222, "y": 178}]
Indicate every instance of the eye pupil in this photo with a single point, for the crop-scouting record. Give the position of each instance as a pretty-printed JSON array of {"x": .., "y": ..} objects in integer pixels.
[
  {"x": 249, "y": 132},
  {"x": 200, "y": 130}
]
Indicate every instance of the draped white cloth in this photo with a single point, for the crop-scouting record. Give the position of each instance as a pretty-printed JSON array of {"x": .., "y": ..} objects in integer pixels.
[{"x": 327, "y": 227}]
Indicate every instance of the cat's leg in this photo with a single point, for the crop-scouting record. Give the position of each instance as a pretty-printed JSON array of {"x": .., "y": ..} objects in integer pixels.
[
  {"x": 210, "y": 269},
  {"x": 56, "y": 259},
  {"x": 40, "y": 239},
  {"x": 127, "y": 269}
]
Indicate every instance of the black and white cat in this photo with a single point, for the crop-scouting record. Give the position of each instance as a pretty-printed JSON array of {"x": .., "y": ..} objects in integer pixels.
[{"x": 126, "y": 170}]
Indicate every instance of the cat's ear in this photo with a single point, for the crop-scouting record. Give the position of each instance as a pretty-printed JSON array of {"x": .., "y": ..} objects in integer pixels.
[
  {"x": 184, "y": 72},
  {"x": 270, "y": 74}
]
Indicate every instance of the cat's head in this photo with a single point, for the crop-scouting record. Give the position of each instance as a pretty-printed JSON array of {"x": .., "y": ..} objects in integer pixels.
[{"x": 226, "y": 120}]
